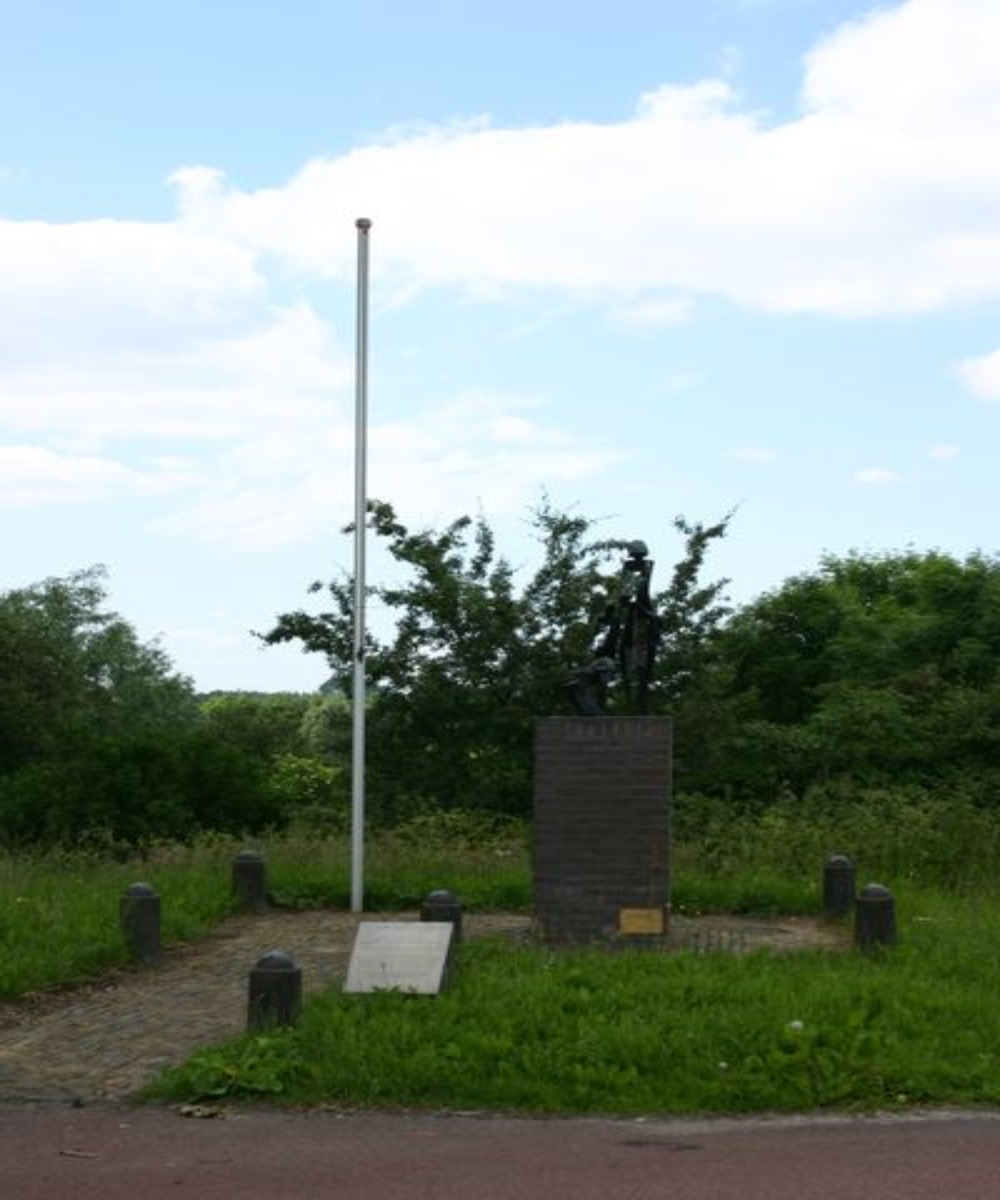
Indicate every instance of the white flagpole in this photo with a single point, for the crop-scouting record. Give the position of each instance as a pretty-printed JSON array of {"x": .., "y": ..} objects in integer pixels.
[{"x": 363, "y": 225}]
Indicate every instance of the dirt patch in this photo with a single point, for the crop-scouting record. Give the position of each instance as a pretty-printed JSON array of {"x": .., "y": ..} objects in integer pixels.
[
  {"x": 741, "y": 935},
  {"x": 722, "y": 933}
]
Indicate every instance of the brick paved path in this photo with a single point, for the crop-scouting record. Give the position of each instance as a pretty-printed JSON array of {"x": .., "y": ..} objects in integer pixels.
[{"x": 104, "y": 1042}]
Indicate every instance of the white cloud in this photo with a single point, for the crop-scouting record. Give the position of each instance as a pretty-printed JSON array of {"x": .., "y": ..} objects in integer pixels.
[
  {"x": 89, "y": 287},
  {"x": 877, "y": 475},
  {"x": 480, "y": 444},
  {"x": 167, "y": 342},
  {"x": 291, "y": 486},
  {"x": 241, "y": 405},
  {"x": 879, "y": 197},
  {"x": 37, "y": 475},
  {"x": 911, "y": 66},
  {"x": 655, "y": 312},
  {"x": 943, "y": 451},
  {"x": 274, "y": 366},
  {"x": 982, "y": 376},
  {"x": 519, "y": 430}
]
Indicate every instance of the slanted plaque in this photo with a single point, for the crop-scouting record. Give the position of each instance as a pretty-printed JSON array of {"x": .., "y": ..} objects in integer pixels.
[
  {"x": 405, "y": 956},
  {"x": 641, "y": 921}
]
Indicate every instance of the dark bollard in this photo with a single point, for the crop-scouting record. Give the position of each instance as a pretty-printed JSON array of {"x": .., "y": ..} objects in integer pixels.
[
  {"x": 874, "y": 918},
  {"x": 140, "y": 922},
  {"x": 249, "y": 881},
  {"x": 275, "y": 992},
  {"x": 443, "y": 906},
  {"x": 838, "y": 886}
]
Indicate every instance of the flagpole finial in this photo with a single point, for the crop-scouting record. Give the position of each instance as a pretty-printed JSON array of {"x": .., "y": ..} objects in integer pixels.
[{"x": 363, "y": 223}]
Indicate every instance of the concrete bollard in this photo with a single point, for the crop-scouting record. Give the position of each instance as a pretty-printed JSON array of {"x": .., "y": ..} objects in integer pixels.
[
  {"x": 874, "y": 918},
  {"x": 275, "y": 992},
  {"x": 443, "y": 906},
  {"x": 139, "y": 913},
  {"x": 838, "y": 886},
  {"x": 250, "y": 881}
]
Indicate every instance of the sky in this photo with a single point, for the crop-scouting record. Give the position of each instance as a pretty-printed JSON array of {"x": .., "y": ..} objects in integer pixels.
[{"x": 648, "y": 258}]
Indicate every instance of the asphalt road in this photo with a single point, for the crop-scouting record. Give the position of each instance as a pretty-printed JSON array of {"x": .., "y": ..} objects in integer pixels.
[{"x": 108, "y": 1153}]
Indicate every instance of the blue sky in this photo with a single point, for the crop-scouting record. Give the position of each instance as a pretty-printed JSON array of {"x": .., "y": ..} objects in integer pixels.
[{"x": 653, "y": 258}]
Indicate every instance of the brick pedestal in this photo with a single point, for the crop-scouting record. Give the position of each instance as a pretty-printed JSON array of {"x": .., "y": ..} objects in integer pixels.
[{"x": 602, "y": 827}]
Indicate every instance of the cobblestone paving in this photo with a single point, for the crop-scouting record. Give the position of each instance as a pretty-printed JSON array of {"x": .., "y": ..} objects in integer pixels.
[{"x": 105, "y": 1042}]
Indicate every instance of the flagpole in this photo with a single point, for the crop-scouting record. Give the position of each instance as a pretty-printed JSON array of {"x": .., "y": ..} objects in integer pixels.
[{"x": 363, "y": 225}]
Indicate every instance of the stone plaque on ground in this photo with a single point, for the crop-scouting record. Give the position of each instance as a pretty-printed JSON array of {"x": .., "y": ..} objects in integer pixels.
[{"x": 409, "y": 956}]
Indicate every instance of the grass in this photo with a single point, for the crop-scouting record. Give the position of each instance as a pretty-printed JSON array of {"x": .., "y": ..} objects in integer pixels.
[
  {"x": 532, "y": 1030},
  {"x": 401, "y": 868},
  {"x": 927, "y": 836},
  {"x": 59, "y": 912},
  {"x": 74, "y": 897},
  {"x": 752, "y": 890}
]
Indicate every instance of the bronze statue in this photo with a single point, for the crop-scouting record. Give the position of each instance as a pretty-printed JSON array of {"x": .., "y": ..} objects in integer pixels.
[
  {"x": 587, "y": 688},
  {"x": 626, "y": 637}
]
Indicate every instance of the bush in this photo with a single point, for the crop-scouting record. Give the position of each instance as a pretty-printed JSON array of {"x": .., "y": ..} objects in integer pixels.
[
  {"x": 906, "y": 832},
  {"x": 132, "y": 791},
  {"x": 309, "y": 793}
]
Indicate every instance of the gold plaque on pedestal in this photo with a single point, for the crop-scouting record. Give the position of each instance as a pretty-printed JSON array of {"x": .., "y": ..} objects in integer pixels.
[{"x": 641, "y": 920}]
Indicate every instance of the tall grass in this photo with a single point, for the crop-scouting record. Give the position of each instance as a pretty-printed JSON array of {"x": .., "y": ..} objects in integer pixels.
[
  {"x": 483, "y": 861},
  {"x": 910, "y": 833},
  {"x": 59, "y": 912}
]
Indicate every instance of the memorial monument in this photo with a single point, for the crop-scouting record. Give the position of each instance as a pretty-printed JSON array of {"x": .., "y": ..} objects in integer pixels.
[{"x": 602, "y": 782}]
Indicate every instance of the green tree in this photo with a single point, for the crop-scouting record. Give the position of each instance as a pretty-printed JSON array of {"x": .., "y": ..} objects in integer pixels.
[
  {"x": 474, "y": 655},
  {"x": 300, "y": 743},
  {"x": 261, "y": 724},
  {"x": 99, "y": 736},
  {"x": 881, "y": 667},
  {"x": 73, "y": 669}
]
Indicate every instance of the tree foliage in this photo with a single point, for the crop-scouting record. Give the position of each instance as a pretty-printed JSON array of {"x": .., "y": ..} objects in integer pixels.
[
  {"x": 474, "y": 654},
  {"x": 99, "y": 737},
  {"x": 72, "y": 670},
  {"x": 299, "y": 741},
  {"x": 873, "y": 671},
  {"x": 876, "y": 667},
  {"x": 261, "y": 724}
]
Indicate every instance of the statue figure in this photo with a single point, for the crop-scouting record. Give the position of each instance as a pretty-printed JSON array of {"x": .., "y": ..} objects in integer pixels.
[
  {"x": 626, "y": 637},
  {"x": 587, "y": 688}
]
